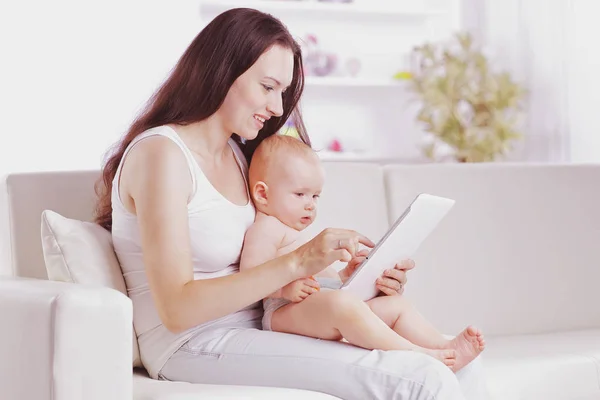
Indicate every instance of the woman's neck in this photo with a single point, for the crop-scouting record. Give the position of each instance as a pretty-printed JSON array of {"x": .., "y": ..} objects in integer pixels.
[{"x": 208, "y": 139}]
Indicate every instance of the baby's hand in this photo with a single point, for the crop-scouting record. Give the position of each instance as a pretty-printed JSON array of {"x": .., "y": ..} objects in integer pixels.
[{"x": 300, "y": 289}]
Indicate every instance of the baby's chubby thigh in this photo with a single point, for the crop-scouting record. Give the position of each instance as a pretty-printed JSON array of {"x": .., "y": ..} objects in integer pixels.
[{"x": 319, "y": 314}]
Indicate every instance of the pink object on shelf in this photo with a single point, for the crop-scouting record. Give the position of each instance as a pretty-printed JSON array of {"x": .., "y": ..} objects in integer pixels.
[{"x": 335, "y": 145}]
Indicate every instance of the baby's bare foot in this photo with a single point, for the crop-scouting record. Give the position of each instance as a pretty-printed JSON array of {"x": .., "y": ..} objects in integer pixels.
[
  {"x": 468, "y": 344},
  {"x": 447, "y": 356}
]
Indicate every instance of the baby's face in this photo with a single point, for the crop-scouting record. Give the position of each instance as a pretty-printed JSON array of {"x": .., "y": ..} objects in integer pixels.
[{"x": 294, "y": 192}]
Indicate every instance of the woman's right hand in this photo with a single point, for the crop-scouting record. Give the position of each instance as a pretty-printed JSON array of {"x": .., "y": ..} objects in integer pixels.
[{"x": 327, "y": 247}]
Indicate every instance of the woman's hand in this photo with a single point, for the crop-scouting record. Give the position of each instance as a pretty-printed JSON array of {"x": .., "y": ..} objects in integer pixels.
[
  {"x": 347, "y": 271},
  {"x": 393, "y": 280},
  {"x": 327, "y": 247}
]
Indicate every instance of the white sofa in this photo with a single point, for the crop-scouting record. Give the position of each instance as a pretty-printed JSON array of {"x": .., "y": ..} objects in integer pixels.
[{"x": 518, "y": 256}]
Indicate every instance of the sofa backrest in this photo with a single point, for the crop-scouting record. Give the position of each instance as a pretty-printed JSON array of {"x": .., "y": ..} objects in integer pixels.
[
  {"x": 25, "y": 196},
  {"x": 518, "y": 253},
  {"x": 357, "y": 203},
  {"x": 354, "y": 197}
]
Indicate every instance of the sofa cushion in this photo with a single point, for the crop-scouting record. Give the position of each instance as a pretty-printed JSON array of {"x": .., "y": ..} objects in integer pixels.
[
  {"x": 552, "y": 366},
  {"x": 145, "y": 388},
  {"x": 81, "y": 252},
  {"x": 24, "y": 196},
  {"x": 521, "y": 241}
]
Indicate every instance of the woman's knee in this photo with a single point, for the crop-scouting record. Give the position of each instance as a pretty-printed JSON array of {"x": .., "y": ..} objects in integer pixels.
[
  {"x": 439, "y": 380},
  {"x": 430, "y": 378}
]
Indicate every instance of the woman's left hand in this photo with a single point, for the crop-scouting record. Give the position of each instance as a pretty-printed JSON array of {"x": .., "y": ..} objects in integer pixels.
[{"x": 392, "y": 282}]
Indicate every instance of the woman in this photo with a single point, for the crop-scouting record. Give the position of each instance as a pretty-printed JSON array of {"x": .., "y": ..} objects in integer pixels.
[{"x": 178, "y": 207}]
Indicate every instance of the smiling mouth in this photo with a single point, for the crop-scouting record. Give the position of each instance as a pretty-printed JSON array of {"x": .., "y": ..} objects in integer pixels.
[{"x": 259, "y": 119}]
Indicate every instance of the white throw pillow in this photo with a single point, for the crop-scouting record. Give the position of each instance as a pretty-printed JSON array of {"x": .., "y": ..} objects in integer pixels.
[{"x": 82, "y": 252}]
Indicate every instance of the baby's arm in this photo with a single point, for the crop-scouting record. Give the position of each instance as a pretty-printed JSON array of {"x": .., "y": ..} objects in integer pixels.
[{"x": 261, "y": 243}]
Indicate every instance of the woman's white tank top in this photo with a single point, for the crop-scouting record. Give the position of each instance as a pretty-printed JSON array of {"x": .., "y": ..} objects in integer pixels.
[{"x": 217, "y": 228}]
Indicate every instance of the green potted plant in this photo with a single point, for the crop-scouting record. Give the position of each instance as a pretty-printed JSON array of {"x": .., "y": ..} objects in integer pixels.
[{"x": 463, "y": 103}]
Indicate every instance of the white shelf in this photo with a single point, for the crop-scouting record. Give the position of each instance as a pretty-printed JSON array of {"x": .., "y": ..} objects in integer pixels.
[
  {"x": 352, "y": 82},
  {"x": 329, "y": 156},
  {"x": 318, "y": 8},
  {"x": 326, "y": 155}
]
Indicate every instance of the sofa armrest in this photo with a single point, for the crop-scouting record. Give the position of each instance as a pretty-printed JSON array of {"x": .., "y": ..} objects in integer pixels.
[{"x": 64, "y": 341}]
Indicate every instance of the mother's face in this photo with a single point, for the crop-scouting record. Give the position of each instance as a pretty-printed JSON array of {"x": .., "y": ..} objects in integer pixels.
[{"x": 256, "y": 95}]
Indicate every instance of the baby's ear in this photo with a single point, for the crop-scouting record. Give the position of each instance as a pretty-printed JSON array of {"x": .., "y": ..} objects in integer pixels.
[{"x": 260, "y": 193}]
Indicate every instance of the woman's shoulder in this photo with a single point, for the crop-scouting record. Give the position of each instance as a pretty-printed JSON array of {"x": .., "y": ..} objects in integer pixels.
[
  {"x": 162, "y": 133},
  {"x": 161, "y": 141},
  {"x": 151, "y": 147},
  {"x": 151, "y": 167},
  {"x": 156, "y": 155}
]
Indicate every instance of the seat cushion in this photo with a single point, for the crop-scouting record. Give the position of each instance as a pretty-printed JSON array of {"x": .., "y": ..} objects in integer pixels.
[
  {"x": 145, "y": 388},
  {"x": 554, "y": 366},
  {"x": 81, "y": 252}
]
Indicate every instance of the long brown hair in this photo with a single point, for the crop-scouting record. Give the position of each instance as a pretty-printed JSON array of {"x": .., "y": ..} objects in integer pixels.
[{"x": 229, "y": 45}]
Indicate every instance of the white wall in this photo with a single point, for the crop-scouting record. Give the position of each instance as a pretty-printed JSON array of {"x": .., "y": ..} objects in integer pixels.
[
  {"x": 584, "y": 69},
  {"x": 550, "y": 46},
  {"x": 370, "y": 119},
  {"x": 75, "y": 72}
]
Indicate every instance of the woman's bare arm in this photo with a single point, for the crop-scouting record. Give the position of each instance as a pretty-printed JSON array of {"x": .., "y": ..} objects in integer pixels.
[{"x": 157, "y": 180}]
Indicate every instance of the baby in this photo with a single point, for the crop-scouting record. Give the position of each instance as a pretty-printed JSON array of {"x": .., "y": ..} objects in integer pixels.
[{"x": 286, "y": 179}]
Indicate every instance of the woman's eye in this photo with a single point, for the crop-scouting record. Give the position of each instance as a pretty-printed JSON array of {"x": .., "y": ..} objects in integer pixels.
[{"x": 268, "y": 88}]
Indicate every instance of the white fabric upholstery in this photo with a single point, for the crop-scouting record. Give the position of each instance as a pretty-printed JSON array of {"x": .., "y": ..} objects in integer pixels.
[
  {"x": 70, "y": 194},
  {"x": 6, "y": 264},
  {"x": 517, "y": 256},
  {"x": 61, "y": 341},
  {"x": 353, "y": 198},
  {"x": 145, "y": 388},
  {"x": 553, "y": 366},
  {"x": 82, "y": 252},
  {"x": 519, "y": 248}
]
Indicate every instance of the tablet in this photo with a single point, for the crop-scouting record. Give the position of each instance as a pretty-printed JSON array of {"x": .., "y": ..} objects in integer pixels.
[{"x": 400, "y": 242}]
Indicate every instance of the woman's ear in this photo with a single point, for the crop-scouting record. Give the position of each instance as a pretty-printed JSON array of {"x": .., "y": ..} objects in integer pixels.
[{"x": 260, "y": 193}]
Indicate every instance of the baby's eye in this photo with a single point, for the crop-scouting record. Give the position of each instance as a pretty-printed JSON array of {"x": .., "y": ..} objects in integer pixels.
[
  {"x": 316, "y": 196},
  {"x": 300, "y": 194},
  {"x": 268, "y": 88}
]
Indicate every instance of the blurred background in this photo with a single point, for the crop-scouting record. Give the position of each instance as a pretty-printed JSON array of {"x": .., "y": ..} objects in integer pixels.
[{"x": 407, "y": 80}]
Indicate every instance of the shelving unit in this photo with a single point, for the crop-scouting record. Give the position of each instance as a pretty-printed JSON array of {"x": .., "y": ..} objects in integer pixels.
[
  {"x": 323, "y": 9},
  {"x": 362, "y": 157},
  {"x": 365, "y": 109},
  {"x": 328, "y": 81}
]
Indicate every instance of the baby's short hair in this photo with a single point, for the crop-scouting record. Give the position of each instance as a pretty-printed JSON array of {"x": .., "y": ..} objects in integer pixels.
[{"x": 274, "y": 149}]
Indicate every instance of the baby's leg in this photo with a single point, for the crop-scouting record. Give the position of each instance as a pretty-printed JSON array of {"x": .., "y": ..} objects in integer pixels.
[
  {"x": 336, "y": 314},
  {"x": 399, "y": 314}
]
